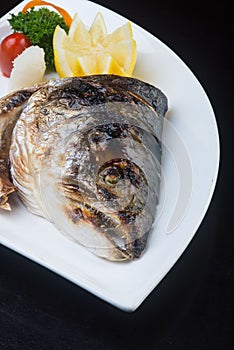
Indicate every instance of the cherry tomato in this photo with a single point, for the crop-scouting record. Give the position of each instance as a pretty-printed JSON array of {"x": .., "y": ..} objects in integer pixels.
[{"x": 10, "y": 47}]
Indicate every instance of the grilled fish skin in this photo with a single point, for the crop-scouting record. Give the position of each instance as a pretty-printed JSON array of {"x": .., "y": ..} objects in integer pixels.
[
  {"x": 10, "y": 110},
  {"x": 85, "y": 154}
]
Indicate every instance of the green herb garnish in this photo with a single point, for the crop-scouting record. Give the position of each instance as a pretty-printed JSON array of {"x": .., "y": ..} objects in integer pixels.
[{"x": 38, "y": 26}]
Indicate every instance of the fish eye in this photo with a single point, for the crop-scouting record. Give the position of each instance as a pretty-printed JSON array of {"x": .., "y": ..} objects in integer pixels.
[
  {"x": 112, "y": 176},
  {"x": 124, "y": 186}
]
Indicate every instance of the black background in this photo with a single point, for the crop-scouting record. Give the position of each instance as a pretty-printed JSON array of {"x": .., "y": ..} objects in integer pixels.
[{"x": 192, "y": 308}]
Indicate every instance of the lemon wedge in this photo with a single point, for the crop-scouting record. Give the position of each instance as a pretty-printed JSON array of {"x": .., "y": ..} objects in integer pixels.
[
  {"x": 98, "y": 30},
  {"x": 94, "y": 51}
]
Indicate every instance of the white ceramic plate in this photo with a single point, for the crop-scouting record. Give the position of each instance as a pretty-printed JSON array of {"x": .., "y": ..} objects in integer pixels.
[{"x": 190, "y": 166}]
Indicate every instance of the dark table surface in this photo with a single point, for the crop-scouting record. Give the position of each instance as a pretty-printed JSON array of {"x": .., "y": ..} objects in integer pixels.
[{"x": 192, "y": 308}]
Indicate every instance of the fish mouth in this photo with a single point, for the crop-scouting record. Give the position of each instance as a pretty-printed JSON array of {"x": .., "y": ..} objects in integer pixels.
[
  {"x": 114, "y": 208},
  {"x": 120, "y": 239}
]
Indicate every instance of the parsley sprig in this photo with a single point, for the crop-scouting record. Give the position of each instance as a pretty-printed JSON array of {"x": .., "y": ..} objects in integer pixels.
[{"x": 39, "y": 25}]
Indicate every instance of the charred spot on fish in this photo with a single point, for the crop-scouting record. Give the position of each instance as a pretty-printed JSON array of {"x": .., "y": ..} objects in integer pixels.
[
  {"x": 71, "y": 187},
  {"x": 160, "y": 103},
  {"x": 83, "y": 211},
  {"x": 134, "y": 175},
  {"x": 130, "y": 89},
  {"x": 96, "y": 137},
  {"x": 75, "y": 215},
  {"x": 17, "y": 100},
  {"x": 86, "y": 93},
  {"x": 48, "y": 152},
  {"x": 118, "y": 97},
  {"x": 138, "y": 245},
  {"x": 106, "y": 193},
  {"x": 79, "y": 93},
  {"x": 100, "y": 220},
  {"x": 135, "y": 134},
  {"x": 74, "y": 169},
  {"x": 127, "y": 217},
  {"x": 74, "y": 103},
  {"x": 137, "y": 248},
  {"x": 94, "y": 98},
  {"x": 155, "y": 103},
  {"x": 114, "y": 130},
  {"x": 105, "y": 132},
  {"x": 45, "y": 111}
]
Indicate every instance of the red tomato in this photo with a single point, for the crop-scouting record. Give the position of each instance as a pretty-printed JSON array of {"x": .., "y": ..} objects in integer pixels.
[{"x": 10, "y": 48}]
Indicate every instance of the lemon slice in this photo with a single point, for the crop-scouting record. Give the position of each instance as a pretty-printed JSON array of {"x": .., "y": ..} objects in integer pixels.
[
  {"x": 124, "y": 53},
  {"x": 64, "y": 58},
  {"x": 94, "y": 51},
  {"x": 78, "y": 32},
  {"x": 120, "y": 34},
  {"x": 122, "y": 47},
  {"x": 98, "y": 31},
  {"x": 87, "y": 65}
]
